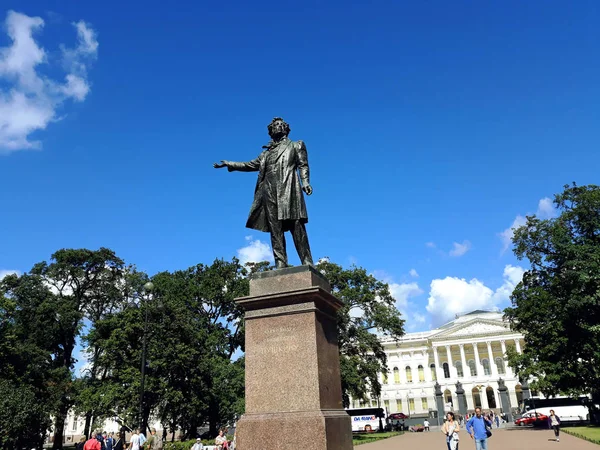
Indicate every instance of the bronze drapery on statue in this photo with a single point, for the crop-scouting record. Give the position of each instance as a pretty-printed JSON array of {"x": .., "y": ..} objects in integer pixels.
[{"x": 278, "y": 204}]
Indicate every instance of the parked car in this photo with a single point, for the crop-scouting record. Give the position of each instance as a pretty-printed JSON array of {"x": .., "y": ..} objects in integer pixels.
[
  {"x": 531, "y": 418},
  {"x": 397, "y": 416}
]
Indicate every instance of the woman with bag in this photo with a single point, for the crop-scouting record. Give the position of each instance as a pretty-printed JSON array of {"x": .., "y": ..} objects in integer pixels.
[
  {"x": 451, "y": 429},
  {"x": 554, "y": 423}
]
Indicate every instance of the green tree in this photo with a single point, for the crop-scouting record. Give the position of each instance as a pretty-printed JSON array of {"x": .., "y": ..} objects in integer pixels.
[
  {"x": 28, "y": 341},
  {"x": 557, "y": 306},
  {"x": 74, "y": 285},
  {"x": 369, "y": 312},
  {"x": 194, "y": 329}
]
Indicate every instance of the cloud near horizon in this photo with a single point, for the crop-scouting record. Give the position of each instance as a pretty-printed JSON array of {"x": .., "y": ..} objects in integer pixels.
[
  {"x": 31, "y": 99},
  {"x": 5, "y": 273},
  {"x": 256, "y": 251},
  {"x": 452, "y": 295},
  {"x": 545, "y": 210}
]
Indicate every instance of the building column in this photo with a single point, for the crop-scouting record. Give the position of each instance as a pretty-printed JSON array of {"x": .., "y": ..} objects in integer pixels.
[
  {"x": 484, "y": 401},
  {"x": 437, "y": 364},
  {"x": 469, "y": 395},
  {"x": 463, "y": 360},
  {"x": 518, "y": 345},
  {"x": 507, "y": 369},
  {"x": 477, "y": 361},
  {"x": 493, "y": 367},
  {"x": 451, "y": 368},
  {"x": 428, "y": 377}
]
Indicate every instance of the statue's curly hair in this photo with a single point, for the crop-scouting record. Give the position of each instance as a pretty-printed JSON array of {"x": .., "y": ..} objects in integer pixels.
[{"x": 285, "y": 125}]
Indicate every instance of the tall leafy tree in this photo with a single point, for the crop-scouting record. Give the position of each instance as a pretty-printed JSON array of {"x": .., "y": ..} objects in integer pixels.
[
  {"x": 75, "y": 284},
  {"x": 557, "y": 304},
  {"x": 369, "y": 312},
  {"x": 194, "y": 330},
  {"x": 26, "y": 379}
]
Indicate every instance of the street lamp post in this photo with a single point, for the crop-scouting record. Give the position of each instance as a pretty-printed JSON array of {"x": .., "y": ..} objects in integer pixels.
[{"x": 147, "y": 289}]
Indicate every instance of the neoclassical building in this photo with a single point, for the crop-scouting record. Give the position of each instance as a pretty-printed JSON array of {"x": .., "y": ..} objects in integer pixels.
[{"x": 470, "y": 349}]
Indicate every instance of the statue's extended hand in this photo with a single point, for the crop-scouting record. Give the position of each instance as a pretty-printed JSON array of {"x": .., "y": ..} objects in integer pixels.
[
  {"x": 307, "y": 189},
  {"x": 219, "y": 165}
]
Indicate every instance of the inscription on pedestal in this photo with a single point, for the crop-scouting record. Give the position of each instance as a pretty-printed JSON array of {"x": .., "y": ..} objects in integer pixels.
[{"x": 276, "y": 340}]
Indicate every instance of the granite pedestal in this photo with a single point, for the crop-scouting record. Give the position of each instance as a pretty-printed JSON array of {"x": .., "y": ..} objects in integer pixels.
[{"x": 293, "y": 386}]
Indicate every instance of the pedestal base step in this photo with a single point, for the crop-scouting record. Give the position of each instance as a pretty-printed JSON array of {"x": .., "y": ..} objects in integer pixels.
[{"x": 306, "y": 430}]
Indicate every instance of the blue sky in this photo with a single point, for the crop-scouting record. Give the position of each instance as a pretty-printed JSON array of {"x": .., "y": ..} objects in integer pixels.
[{"x": 430, "y": 127}]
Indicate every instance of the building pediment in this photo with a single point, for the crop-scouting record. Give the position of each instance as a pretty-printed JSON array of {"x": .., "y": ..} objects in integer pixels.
[{"x": 476, "y": 327}]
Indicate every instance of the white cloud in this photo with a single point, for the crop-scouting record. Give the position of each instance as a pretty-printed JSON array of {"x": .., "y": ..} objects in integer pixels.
[
  {"x": 255, "y": 251},
  {"x": 507, "y": 235},
  {"x": 460, "y": 249},
  {"x": 5, "y": 273},
  {"x": 430, "y": 244},
  {"x": 545, "y": 210},
  {"x": 402, "y": 292},
  {"x": 452, "y": 295},
  {"x": 413, "y": 273},
  {"x": 419, "y": 318},
  {"x": 29, "y": 100}
]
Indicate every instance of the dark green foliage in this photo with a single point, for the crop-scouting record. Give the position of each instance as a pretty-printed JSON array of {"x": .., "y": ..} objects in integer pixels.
[{"x": 557, "y": 305}]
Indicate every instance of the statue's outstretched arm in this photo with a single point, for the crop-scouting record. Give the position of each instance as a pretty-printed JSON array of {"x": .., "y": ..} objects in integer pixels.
[{"x": 250, "y": 166}]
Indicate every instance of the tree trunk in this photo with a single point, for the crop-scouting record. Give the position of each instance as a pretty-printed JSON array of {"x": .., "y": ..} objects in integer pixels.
[
  {"x": 59, "y": 428},
  {"x": 88, "y": 424}
]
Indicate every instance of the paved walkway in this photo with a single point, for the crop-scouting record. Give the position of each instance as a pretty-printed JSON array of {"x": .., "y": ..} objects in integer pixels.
[{"x": 502, "y": 439}]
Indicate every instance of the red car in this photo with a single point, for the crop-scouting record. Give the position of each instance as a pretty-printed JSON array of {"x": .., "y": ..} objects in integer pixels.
[{"x": 531, "y": 418}]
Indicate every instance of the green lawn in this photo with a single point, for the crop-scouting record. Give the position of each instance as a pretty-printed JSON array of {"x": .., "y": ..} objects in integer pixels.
[
  {"x": 589, "y": 433},
  {"x": 358, "y": 439}
]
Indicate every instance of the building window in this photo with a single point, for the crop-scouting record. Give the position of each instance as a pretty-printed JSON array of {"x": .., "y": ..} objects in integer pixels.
[
  {"x": 446, "y": 370},
  {"x": 421, "y": 374},
  {"x": 411, "y": 404},
  {"x": 398, "y": 405},
  {"x": 408, "y": 374},
  {"x": 433, "y": 374},
  {"x": 459, "y": 369},
  {"x": 424, "y": 405},
  {"x": 384, "y": 376},
  {"x": 472, "y": 367},
  {"x": 386, "y": 403},
  {"x": 396, "y": 375},
  {"x": 487, "y": 370},
  {"x": 491, "y": 398},
  {"x": 500, "y": 365},
  {"x": 74, "y": 423},
  {"x": 448, "y": 396},
  {"x": 476, "y": 397}
]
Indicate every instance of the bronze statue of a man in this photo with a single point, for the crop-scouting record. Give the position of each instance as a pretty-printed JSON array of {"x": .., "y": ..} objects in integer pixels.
[{"x": 278, "y": 201}]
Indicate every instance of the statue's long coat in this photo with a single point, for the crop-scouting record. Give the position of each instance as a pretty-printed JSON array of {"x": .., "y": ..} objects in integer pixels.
[{"x": 291, "y": 159}]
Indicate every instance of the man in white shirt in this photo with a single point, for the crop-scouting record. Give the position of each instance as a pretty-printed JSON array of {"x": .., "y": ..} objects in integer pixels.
[
  {"x": 197, "y": 445},
  {"x": 426, "y": 424},
  {"x": 134, "y": 442}
]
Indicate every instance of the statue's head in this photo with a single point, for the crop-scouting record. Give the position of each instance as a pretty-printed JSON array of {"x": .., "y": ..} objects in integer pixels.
[{"x": 278, "y": 128}]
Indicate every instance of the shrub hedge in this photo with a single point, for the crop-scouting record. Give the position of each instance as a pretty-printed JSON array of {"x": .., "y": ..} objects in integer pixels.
[{"x": 187, "y": 445}]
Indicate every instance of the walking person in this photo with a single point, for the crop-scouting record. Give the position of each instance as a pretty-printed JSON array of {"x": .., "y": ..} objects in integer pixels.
[
  {"x": 198, "y": 445},
  {"x": 120, "y": 441},
  {"x": 134, "y": 442},
  {"x": 554, "y": 423},
  {"x": 451, "y": 429},
  {"x": 426, "y": 424},
  {"x": 477, "y": 429}
]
